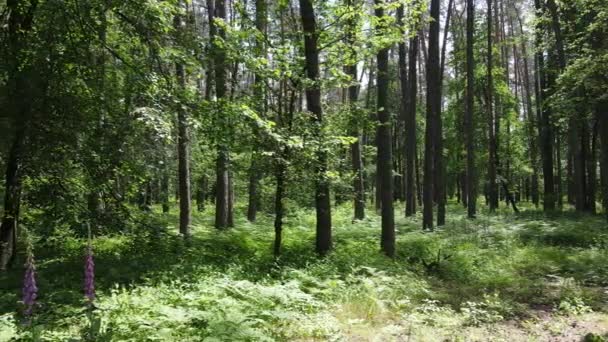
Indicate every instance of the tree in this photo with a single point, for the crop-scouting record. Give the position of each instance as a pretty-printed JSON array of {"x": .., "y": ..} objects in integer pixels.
[
  {"x": 433, "y": 112},
  {"x": 384, "y": 166},
  {"x": 260, "y": 98},
  {"x": 183, "y": 143},
  {"x": 353, "y": 94},
  {"x": 223, "y": 205},
  {"x": 21, "y": 87},
  {"x": 544, "y": 115},
  {"x": 313, "y": 103},
  {"x": 440, "y": 179},
  {"x": 410, "y": 129},
  {"x": 471, "y": 178},
  {"x": 492, "y": 133}
]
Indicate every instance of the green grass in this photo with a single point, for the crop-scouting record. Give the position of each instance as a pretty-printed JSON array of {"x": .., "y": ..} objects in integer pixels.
[{"x": 226, "y": 285}]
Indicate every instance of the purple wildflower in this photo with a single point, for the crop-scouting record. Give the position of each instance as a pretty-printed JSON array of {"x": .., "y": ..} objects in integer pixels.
[
  {"x": 30, "y": 291},
  {"x": 89, "y": 275}
]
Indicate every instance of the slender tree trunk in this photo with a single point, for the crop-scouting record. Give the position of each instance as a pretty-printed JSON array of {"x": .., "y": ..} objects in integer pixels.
[
  {"x": 278, "y": 208},
  {"x": 385, "y": 153},
  {"x": 471, "y": 180},
  {"x": 223, "y": 204},
  {"x": 201, "y": 193},
  {"x": 410, "y": 131},
  {"x": 544, "y": 115},
  {"x": 532, "y": 122},
  {"x": 592, "y": 168},
  {"x": 558, "y": 162},
  {"x": 602, "y": 117},
  {"x": 21, "y": 14},
  {"x": 440, "y": 170},
  {"x": 164, "y": 189},
  {"x": 260, "y": 98},
  {"x": 313, "y": 103},
  {"x": 492, "y": 185},
  {"x": 433, "y": 108},
  {"x": 183, "y": 146},
  {"x": 403, "y": 104},
  {"x": 355, "y": 148}
]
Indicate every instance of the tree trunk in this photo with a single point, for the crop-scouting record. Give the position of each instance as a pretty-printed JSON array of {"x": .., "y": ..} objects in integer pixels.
[
  {"x": 544, "y": 115},
  {"x": 410, "y": 131},
  {"x": 433, "y": 108},
  {"x": 492, "y": 152},
  {"x": 385, "y": 153},
  {"x": 21, "y": 14},
  {"x": 471, "y": 178},
  {"x": 183, "y": 144},
  {"x": 602, "y": 117},
  {"x": 260, "y": 98},
  {"x": 278, "y": 207},
  {"x": 532, "y": 122},
  {"x": 201, "y": 193},
  {"x": 223, "y": 205},
  {"x": 592, "y": 168},
  {"x": 313, "y": 104},
  {"x": 355, "y": 148},
  {"x": 440, "y": 179}
]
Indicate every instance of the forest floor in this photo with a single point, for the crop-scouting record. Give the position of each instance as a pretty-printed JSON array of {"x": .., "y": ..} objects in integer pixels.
[{"x": 502, "y": 277}]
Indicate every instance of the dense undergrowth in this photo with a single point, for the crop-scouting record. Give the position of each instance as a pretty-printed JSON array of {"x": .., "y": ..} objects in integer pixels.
[{"x": 227, "y": 286}]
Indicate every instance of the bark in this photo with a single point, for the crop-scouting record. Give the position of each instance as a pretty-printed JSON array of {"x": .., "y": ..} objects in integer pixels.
[
  {"x": 385, "y": 153},
  {"x": 355, "y": 148},
  {"x": 440, "y": 179},
  {"x": 602, "y": 117},
  {"x": 201, "y": 193},
  {"x": 313, "y": 103},
  {"x": 544, "y": 118},
  {"x": 223, "y": 206},
  {"x": 574, "y": 124},
  {"x": 164, "y": 189},
  {"x": 260, "y": 98},
  {"x": 493, "y": 148},
  {"x": 21, "y": 14},
  {"x": 471, "y": 177},
  {"x": 433, "y": 109},
  {"x": 403, "y": 104},
  {"x": 410, "y": 130},
  {"x": 532, "y": 122},
  {"x": 592, "y": 168},
  {"x": 183, "y": 147},
  {"x": 278, "y": 208}
]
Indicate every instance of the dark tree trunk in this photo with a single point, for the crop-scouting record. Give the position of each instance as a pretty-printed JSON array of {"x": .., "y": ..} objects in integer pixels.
[
  {"x": 532, "y": 122},
  {"x": 355, "y": 148},
  {"x": 410, "y": 131},
  {"x": 201, "y": 193},
  {"x": 313, "y": 103},
  {"x": 471, "y": 178},
  {"x": 544, "y": 115},
  {"x": 433, "y": 109},
  {"x": 21, "y": 14},
  {"x": 223, "y": 205},
  {"x": 260, "y": 98},
  {"x": 403, "y": 109},
  {"x": 385, "y": 153},
  {"x": 278, "y": 207},
  {"x": 592, "y": 168},
  {"x": 440, "y": 179},
  {"x": 183, "y": 146},
  {"x": 12, "y": 201},
  {"x": 164, "y": 189},
  {"x": 492, "y": 143},
  {"x": 602, "y": 117}
]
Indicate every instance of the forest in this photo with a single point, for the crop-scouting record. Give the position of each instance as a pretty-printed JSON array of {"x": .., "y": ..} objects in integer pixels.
[{"x": 304, "y": 170}]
